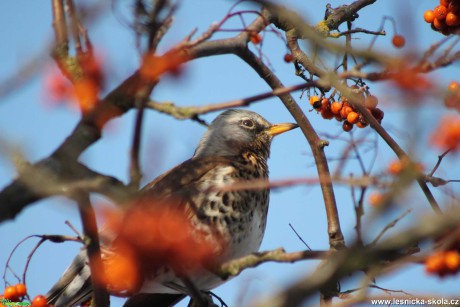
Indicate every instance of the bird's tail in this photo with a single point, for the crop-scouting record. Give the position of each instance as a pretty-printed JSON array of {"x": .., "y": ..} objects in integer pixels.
[{"x": 74, "y": 287}]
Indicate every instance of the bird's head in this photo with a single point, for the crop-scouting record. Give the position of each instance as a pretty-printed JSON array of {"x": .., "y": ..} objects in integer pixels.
[{"x": 237, "y": 131}]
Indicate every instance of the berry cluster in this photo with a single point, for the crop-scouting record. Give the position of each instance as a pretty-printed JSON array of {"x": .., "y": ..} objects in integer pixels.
[
  {"x": 444, "y": 18},
  {"x": 17, "y": 293},
  {"x": 446, "y": 261},
  {"x": 443, "y": 263},
  {"x": 344, "y": 112},
  {"x": 452, "y": 99}
]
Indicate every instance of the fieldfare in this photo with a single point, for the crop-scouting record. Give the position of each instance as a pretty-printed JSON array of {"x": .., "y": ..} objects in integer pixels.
[{"x": 234, "y": 149}]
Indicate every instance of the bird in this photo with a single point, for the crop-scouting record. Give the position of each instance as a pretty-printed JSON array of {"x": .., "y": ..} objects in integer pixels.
[{"x": 234, "y": 149}]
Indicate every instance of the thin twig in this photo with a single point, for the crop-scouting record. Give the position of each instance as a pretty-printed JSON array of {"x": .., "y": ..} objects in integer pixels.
[
  {"x": 298, "y": 236},
  {"x": 358, "y": 30},
  {"x": 389, "y": 226},
  {"x": 29, "y": 257},
  {"x": 440, "y": 157}
]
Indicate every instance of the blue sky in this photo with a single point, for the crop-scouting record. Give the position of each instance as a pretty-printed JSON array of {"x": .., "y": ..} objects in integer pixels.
[{"x": 30, "y": 125}]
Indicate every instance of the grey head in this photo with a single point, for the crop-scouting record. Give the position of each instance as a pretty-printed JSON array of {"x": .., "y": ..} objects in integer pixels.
[{"x": 236, "y": 131}]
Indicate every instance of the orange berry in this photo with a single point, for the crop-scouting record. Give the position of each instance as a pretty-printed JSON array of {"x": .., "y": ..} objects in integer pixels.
[
  {"x": 336, "y": 107},
  {"x": 375, "y": 199},
  {"x": 371, "y": 102},
  {"x": 440, "y": 12},
  {"x": 352, "y": 117},
  {"x": 452, "y": 19},
  {"x": 288, "y": 58},
  {"x": 325, "y": 104},
  {"x": 398, "y": 41},
  {"x": 428, "y": 16},
  {"x": 313, "y": 99},
  {"x": 452, "y": 260},
  {"x": 439, "y": 24},
  {"x": 21, "y": 289},
  {"x": 453, "y": 86},
  {"x": 345, "y": 111},
  {"x": 435, "y": 263},
  {"x": 10, "y": 293},
  {"x": 39, "y": 301},
  {"x": 346, "y": 126},
  {"x": 395, "y": 167}
]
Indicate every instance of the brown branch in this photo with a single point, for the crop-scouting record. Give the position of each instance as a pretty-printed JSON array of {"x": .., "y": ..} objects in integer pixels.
[
  {"x": 59, "y": 24},
  {"x": 300, "y": 56},
  {"x": 345, "y": 13},
  {"x": 191, "y": 112},
  {"x": 236, "y": 266}
]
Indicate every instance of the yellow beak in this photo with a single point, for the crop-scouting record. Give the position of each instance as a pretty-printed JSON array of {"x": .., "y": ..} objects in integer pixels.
[{"x": 280, "y": 128}]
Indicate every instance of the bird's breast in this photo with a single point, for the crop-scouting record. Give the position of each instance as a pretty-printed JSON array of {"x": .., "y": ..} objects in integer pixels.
[{"x": 237, "y": 215}]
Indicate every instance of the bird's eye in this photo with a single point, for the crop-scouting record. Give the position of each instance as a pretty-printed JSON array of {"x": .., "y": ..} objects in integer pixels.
[{"x": 248, "y": 123}]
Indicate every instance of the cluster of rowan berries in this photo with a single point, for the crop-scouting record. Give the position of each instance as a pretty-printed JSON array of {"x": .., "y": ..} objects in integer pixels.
[
  {"x": 17, "y": 293},
  {"x": 452, "y": 99},
  {"x": 344, "y": 112},
  {"x": 447, "y": 261},
  {"x": 443, "y": 263},
  {"x": 444, "y": 18}
]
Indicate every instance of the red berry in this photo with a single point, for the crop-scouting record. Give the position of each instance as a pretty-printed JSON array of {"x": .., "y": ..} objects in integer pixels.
[
  {"x": 325, "y": 104},
  {"x": 10, "y": 293},
  {"x": 440, "y": 12},
  {"x": 39, "y": 301},
  {"x": 452, "y": 19},
  {"x": 327, "y": 114},
  {"x": 288, "y": 58},
  {"x": 21, "y": 289},
  {"x": 398, "y": 41},
  {"x": 346, "y": 126},
  {"x": 378, "y": 114}
]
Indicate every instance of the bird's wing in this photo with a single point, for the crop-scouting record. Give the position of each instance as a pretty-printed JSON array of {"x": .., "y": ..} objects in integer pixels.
[
  {"x": 178, "y": 186},
  {"x": 74, "y": 287},
  {"x": 180, "y": 179}
]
